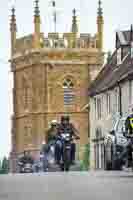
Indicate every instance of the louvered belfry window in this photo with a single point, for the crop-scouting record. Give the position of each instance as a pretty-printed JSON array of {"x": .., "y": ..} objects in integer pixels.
[{"x": 68, "y": 87}]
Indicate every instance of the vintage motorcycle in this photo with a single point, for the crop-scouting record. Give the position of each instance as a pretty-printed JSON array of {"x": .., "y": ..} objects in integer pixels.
[
  {"x": 66, "y": 140},
  {"x": 25, "y": 167}
]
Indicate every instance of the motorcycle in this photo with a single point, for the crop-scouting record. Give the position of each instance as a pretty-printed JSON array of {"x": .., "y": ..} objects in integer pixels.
[
  {"x": 130, "y": 144},
  {"x": 25, "y": 167},
  {"x": 122, "y": 161},
  {"x": 66, "y": 140}
]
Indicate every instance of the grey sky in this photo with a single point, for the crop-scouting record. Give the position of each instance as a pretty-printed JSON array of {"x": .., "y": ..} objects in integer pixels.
[{"x": 117, "y": 15}]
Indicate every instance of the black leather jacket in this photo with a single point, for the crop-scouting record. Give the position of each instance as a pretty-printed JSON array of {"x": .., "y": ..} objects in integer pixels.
[{"x": 26, "y": 159}]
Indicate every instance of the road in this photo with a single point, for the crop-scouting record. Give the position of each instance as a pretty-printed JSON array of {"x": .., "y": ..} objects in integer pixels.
[{"x": 67, "y": 186}]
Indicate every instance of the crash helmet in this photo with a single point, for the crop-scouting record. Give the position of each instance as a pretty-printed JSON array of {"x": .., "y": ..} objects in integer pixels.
[
  {"x": 43, "y": 142},
  {"x": 65, "y": 118},
  {"x": 54, "y": 122}
]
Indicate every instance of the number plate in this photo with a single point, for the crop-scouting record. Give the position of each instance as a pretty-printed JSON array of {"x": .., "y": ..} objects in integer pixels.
[{"x": 68, "y": 147}]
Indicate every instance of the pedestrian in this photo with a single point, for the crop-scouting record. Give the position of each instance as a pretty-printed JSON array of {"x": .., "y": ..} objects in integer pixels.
[{"x": 44, "y": 156}]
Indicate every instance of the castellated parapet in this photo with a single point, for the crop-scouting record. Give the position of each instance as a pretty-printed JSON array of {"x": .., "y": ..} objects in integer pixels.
[{"x": 58, "y": 41}]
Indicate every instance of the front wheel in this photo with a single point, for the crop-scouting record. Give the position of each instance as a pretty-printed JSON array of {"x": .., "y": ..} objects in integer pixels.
[{"x": 67, "y": 159}]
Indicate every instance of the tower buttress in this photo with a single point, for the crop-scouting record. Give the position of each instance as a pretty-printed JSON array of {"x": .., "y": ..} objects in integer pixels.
[
  {"x": 37, "y": 22},
  {"x": 13, "y": 30},
  {"x": 74, "y": 28},
  {"x": 100, "y": 23},
  {"x": 74, "y": 22}
]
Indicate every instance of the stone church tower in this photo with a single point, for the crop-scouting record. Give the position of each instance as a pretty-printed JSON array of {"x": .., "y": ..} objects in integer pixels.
[{"x": 51, "y": 77}]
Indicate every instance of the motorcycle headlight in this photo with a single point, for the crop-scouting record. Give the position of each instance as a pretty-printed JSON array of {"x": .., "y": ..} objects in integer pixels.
[{"x": 63, "y": 135}]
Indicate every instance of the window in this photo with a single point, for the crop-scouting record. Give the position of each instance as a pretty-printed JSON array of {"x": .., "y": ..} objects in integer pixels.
[
  {"x": 108, "y": 103},
  {"x": 95, "y": 105},
  {"x": 116, "y": 95},
  {"x": 131, "y": 49},
  {"x": 119, "y": 56},
  {"x": 68, "y": 87},
  {"x": 99, "y": 109}
]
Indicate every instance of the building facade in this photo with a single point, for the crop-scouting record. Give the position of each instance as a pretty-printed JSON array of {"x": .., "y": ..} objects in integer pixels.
[
  {"x": 51, "y": 78},
  {"x": 111, "y": 95}
]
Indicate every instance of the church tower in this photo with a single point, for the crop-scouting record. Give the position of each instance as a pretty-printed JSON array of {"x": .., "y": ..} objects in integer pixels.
[{"x": 51, "y": 78}]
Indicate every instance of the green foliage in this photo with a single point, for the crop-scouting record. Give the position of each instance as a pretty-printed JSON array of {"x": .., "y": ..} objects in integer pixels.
[
  {"x": 84, "y": 164},
  {"x": 4, "y": 168},
  {"x": 0, "y": 165}
]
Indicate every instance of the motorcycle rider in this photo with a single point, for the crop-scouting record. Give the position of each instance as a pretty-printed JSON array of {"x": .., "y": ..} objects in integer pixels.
[
  {"x": 129, "y": 135},
  {"x": 44, "y": 155},
  {"x": 26, "y": 158},
  {"x": 51, "y": 132},
  {"x": 66, "y": 127},
  {"x": 50, "y": 138}
]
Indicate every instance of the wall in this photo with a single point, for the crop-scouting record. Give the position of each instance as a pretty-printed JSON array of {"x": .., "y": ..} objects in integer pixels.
[{"x": 107, "y": 120}]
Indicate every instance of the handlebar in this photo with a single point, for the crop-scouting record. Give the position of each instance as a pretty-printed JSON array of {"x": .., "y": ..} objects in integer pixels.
[{"x": 73, "y": 137}]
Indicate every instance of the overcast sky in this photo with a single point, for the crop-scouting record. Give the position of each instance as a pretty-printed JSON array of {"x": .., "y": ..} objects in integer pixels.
[{"x": 117, "y": 15}]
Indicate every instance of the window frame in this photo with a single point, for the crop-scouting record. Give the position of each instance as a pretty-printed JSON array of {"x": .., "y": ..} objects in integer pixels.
[
  {"x": 68, "y": 92},
  {"x": 108, "y": 103},
  {"x": 99, "y": 108}
]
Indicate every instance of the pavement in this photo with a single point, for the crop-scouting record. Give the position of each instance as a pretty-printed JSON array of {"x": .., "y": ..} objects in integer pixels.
[{"x": 90, "y": 185}]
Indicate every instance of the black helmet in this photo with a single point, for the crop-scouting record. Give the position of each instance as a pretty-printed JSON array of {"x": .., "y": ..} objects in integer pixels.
[{"x": 65, "y": 118}]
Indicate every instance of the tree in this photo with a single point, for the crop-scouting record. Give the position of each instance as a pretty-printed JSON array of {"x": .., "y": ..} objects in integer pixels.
[
  {"x": 0, "y": 166},
  {"x": 4, "y": 166},
  {"x": 85, "y": 162}
]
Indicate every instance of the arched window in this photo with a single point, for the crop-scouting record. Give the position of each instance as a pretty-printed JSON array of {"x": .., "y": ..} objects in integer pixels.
[{"x": 68, "y": 87}]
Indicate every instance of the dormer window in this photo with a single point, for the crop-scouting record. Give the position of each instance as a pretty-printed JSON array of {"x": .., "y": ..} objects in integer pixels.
[
  {"x": 119, "y": 57},
  {"x": 132, "y": 49}
]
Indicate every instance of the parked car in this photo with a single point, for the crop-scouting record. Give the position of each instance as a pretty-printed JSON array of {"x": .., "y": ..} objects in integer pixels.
[{"x": 114, "y": 145}]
